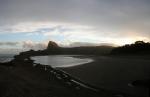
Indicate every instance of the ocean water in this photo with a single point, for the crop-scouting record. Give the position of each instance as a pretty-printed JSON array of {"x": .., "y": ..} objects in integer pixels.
[
  {"x": 60, "y": 60},
  {"x": 6, "y": 57}
]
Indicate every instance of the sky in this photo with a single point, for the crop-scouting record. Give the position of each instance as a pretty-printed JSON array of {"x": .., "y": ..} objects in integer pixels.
[{"x": 30, "y": 24}]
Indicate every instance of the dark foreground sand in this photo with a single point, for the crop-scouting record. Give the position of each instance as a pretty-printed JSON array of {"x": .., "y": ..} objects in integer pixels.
[
  {"x": 114, "y": 73},
  {"x": 25, "y": 81},
  {"x": 20, "y": 78}
]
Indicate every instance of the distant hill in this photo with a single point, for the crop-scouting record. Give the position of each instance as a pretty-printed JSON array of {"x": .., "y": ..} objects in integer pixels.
[
  {"x": 53, "y": 48},
  {"x": 88, "y": 50},
  {"x": 139, "y": 47}
]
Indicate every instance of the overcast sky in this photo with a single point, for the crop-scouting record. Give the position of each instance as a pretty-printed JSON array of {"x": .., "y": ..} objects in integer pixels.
[{"x": 32, "y": 23}]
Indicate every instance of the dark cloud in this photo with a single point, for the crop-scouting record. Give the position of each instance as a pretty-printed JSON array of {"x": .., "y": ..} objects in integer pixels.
[
  {"x": 90, "y": 12},
  {"x": 110, "y": 17}
]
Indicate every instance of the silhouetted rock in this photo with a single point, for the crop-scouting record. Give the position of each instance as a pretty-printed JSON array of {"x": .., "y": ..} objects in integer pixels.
[
  {"x": 53, "y": 48},
  {"x": 52, "y": 45}
]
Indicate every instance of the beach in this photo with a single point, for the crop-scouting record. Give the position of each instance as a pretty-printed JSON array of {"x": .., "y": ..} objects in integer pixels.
[
  {"x": 114, "y": 73},
  {"x": 25, "y": 81},
  {"x": 23, "y": 78},
  {"x": 106, "y": 76}
]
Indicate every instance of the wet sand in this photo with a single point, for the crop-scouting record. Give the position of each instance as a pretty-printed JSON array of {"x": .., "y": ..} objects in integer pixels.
[{"x": 114, "y": 73}]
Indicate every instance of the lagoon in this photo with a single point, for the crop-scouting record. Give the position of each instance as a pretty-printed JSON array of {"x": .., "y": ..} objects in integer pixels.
[{"x": 61, "y": 60}]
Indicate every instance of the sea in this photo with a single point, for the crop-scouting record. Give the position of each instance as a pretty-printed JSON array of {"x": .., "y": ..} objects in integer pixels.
[{"x": 6, "y": 57}]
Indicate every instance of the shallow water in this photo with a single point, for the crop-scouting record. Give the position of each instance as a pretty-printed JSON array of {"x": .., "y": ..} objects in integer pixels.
[{"x": 60, "y": 60}]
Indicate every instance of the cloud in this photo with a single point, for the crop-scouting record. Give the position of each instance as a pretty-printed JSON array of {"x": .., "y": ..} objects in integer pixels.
[
  {"x": 101, "y": 13},
  {"x": 11, "y": 51},
  {"x": 23, "y": 45},
  {"x": 117, "y": 21},
  {"x": 78, "y": 44},
  {"x": 27, "y": 45},
  {"x": 8, "y": 43},
  {"x": 41, "y": 27}
]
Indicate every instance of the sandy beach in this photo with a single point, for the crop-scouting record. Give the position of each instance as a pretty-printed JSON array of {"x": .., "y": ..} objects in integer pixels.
[
  {"x": 23, "y": 78},
  {"x": 114, "y": 73},
  {"x": 106, "y": 76},
  {"x": 25, "y": 81}
]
